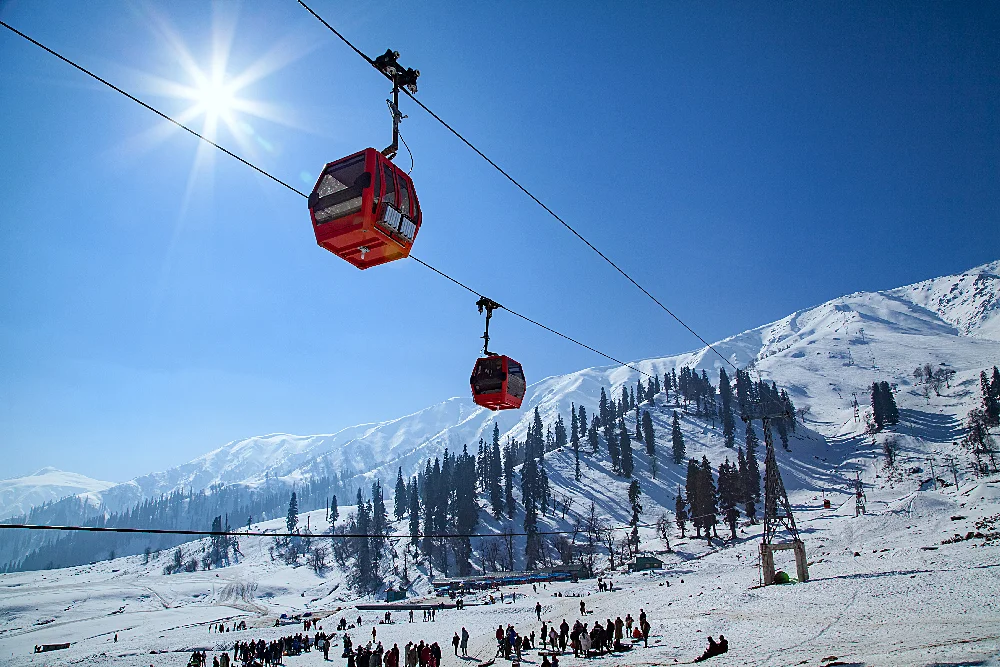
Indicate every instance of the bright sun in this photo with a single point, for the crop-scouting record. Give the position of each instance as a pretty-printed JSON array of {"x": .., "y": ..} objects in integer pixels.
[
  {"x": 215, "y": 93},
  {"x": 216, "y": 98}
]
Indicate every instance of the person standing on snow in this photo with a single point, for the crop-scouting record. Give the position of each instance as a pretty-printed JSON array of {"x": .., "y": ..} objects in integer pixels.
[{"x": 465, "y": 642}]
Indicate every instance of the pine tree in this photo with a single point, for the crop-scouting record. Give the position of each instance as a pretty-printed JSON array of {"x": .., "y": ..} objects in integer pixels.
[
  {"x": 574, "y": 424},
  {"x": 575, "y": 441},
  {"x": 602, "y": 408},
  {"x": 709, "y": 499},
  {"x": 429, "y": 487},
  {"x": 726, "y": 398},
  {"x": 878, "y": 406},
  {"x": 707, "y": 392},
  {"x": 508, "y": 480},
  {"x": 364, "y": 569},
  {"x": 292, "y": 519},
  {"x": 399, "y": 497},
  {"x": 443, "y": 487},
  {"x": 678, "y": 439},
  {"x": 634, "y": 491},
  {"x": 334, "y": 511},
  {"x": 613, "y": 449},
  {"x": 466, "y": 511},
  {"x": 628, "y": 465},
  {"x": 729, "y": 494},
  {"x": 592, "y": 435},
  {"x": 782, "y": 428},
  {"x": 380, "y": 523},
  {"x": 545, "y": 493},
  {"x": 583, "y": 422},
  {"x": 680, "y": 514},
  {"x": 414, "y": 512},
  {"x": 560, "y": 432},
  {"x": 991, "y": 397},
  {"x": 495, "y": 474},
  {"x": 529, "y": 496},
  {"x": 889, "y": 404},
  {"x": 380, "y": 517},
  {"x": 693, "y": 490},
  {"x": 650, "y": 441},
  {"x": 537, "y": 444},
  {"x": 790, "y": 408}
]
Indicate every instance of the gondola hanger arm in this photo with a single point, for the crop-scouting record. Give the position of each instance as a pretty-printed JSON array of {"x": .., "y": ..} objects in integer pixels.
[{"x": 489, "y": 305}]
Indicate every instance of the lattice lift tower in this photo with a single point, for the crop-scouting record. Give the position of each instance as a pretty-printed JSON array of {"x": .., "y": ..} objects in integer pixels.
[{"x": 777, "y": 509}]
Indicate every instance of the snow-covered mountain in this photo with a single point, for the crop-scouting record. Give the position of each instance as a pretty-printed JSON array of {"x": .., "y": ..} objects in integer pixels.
[
  {"x": 823, "y": 355},
  {"x": 18, "y": 495}
]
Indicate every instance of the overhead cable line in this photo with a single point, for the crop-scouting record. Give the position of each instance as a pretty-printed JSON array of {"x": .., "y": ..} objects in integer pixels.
[
  {"x": 293, "y": 189},
  {"x": 522, "y": 188},
  {"x": 258, "y": 533},
  {"x": 528, "y": 319}
]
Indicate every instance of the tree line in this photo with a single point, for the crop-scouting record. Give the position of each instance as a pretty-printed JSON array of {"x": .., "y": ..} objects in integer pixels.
[{"x": 184, "y": 510}]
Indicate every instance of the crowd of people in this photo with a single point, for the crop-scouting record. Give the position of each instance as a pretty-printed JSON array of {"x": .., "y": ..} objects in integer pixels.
[
  {"x": 373, "y": 654},
  {"x": 262, "y": 653},
  {"x": 222, "y": 627},
  {"x": 585, "y": 638}
]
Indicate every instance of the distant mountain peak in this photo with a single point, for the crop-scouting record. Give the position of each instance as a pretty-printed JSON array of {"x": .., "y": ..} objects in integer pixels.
[{"x": 20, "y": 494}]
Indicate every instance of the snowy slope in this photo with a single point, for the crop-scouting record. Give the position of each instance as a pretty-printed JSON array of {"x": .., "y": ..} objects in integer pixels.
[
  {"x": 873, "y": 578},
  {"x": 887, "y": 589},
  {"x": 970, "y": 301},
  {"x": 20, "y": 494},
  {"x": 823, "y": 355}
]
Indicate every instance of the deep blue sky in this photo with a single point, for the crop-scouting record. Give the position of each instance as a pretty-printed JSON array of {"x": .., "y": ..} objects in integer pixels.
[{"x": 741, "y": 160}]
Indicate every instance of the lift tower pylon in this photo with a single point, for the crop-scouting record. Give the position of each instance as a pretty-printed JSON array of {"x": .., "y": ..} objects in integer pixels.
[{"x": 777, "y": 509}]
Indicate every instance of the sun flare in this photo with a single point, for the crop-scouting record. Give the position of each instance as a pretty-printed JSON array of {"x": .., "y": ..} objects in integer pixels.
[{"x": 216, "y": 97}]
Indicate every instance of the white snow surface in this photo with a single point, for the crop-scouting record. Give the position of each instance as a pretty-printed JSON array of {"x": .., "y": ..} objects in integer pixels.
[
  {"x": 885, "y": 588},
  {"x": 20, "y": 494}
]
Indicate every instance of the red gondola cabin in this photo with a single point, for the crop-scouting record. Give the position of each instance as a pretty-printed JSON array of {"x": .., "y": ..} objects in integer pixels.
[
  {"x": 498, "y": 383},
  {"x": 365, "y": 210}
]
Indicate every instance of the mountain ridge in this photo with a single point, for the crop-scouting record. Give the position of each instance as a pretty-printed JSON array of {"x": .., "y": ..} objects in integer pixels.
[
  {"x": 19, "y": 494},
  {"x": 865, "y": 335}
]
